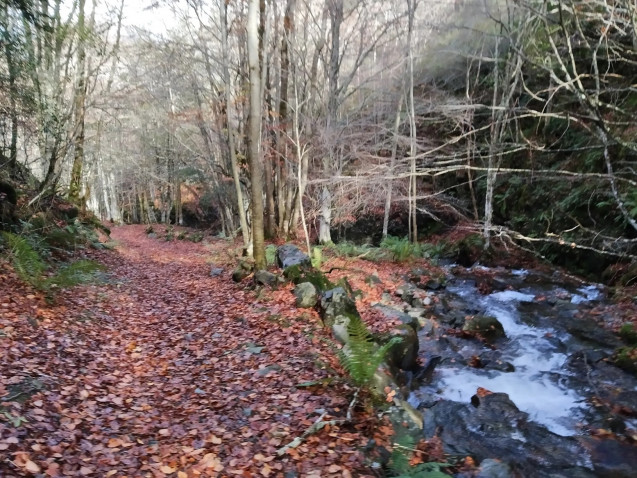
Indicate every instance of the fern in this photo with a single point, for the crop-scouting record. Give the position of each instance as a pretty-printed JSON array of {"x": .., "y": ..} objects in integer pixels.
[
  {"x": 73, "y": 274},
  {"x": 362, "y": 356},
  {"x": 399, "y": 461},
  {"x": 401, "y": 248},
  {"x": 26, "y": 262},
  {"x": 31, "y": 268}
]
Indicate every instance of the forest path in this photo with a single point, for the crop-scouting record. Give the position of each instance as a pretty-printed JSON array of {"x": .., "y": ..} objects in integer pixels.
[{"x": 166, "y": 371}]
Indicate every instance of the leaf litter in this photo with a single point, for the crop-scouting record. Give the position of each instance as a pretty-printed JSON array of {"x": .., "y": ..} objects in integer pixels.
[{"x": 166, "y": 371}]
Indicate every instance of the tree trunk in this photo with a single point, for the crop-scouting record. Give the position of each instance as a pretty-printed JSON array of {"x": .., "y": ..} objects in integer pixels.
[
  {"x": 75, "y": 187},
  {"x": 325, "y": 213},
  {"x": 254, "y": 136},
  {"x": 245, "y": 232},
  {"x": 392, "y": 164}
]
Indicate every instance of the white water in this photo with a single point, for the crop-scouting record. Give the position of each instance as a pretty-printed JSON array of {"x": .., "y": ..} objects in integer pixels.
[{"x": 534, "y": 356}]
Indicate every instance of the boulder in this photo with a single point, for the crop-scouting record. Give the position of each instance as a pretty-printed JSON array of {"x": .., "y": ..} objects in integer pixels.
[
  {"x": 485, "y": 325},
  {"x": 493, "y": 427},
  {"x": 306, "y": 295},
  {"x": 290, "y": 255},
  {"x": 266, "y": 278},
  {"x": 613, "y": 459},
  {"x": 393, "y": 313},
  {"x": 336, "y": 303},
  {"x": 243, "y": 270}
]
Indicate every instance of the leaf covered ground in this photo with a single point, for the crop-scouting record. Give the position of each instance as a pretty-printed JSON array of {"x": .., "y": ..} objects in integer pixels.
[{"x": 166, "y": 371}]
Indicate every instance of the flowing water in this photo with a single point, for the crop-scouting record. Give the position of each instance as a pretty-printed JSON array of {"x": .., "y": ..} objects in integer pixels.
[{"x": 536, "y": 345}]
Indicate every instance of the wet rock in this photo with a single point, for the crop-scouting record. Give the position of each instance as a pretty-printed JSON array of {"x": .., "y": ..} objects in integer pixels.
[
  {"x": 424, "y": 374},
  {"x": 404, "y": 354},
  {"x": 490, "y": 468},
  {"x": 431, "y": 284},
  {"x": 614, "y": 459},
  {"x": 394, "y": 314},
  {"x": 427, "y": 326},
  {"x": 290, "y": 255},
  {"x": 306, "y": 295},
  {"x": 485, "y": 325},
  {"x": 494, "y": 427},
  {"x": 589, "y": 330}
]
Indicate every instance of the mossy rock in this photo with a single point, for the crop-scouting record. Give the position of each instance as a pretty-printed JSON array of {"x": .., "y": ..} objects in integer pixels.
[
  {"x": 485, "y": 325},
  {"x": 298, "y": 274},
  {"x": 628, "y": 333}
]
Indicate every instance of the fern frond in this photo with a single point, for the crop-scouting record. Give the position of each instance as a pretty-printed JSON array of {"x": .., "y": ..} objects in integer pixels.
[
  {"x": 26, "y": 261},
  {"x": 362, "y": 356},
  {"x": 78, "y": 272}
]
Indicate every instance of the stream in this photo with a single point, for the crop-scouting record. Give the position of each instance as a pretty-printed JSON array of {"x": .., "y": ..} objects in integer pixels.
[{"x": 541, "y": 398}]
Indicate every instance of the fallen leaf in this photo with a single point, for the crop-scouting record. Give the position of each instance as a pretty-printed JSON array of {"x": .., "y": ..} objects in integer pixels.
[{"x": 32, "y": 467}]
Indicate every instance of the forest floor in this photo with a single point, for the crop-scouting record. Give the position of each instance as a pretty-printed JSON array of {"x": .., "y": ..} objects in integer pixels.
[{"x": 166, "y": 371}]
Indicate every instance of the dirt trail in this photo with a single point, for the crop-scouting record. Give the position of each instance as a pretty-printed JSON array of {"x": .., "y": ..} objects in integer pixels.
[{"x": 166, "y": 371}]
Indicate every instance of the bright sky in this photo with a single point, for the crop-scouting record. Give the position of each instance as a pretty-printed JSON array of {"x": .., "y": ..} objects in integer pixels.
[{"x": 152, "y": 15}]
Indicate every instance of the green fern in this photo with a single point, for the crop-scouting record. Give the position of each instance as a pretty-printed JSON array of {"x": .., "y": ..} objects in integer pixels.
[
  {"x": 79, "y": 272},
  {"x": 401, "y": 248},
  {"x": 399, "y": 461},
  {"x": 26, "y": 262},
  {"x": 362, "y": 356},
  {"x": 31, "y": 268}
]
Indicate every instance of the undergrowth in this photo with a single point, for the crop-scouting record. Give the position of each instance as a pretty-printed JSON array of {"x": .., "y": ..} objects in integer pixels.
[
  {"x": 32, "y": 269},
  {"x": 401, "y": 248},
  {"x": 399, "y": 462},
  {"x": 362, "y": 355}
]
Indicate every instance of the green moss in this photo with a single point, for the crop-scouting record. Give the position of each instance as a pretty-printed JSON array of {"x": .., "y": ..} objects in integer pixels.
[
  {"x": 628, "y": 333},
  {"x": 626, "y": 358}
]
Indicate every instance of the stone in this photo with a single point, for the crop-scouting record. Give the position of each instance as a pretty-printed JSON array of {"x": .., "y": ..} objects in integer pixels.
[
  {"x": 485, "y": 325},
  {"x": 613, "y": 459},
  {"x": 335, "y": 303},
  {"x": 339, "y": 327},
  {"x": 373, "y": 279},
  {"x": 404, "y": 354},
  {"x": 266, "y": 278},
  {"x": 393, "y": 313},
  {"x": 427, "y": 326},
  {"x": 216, "y": 271},
  {"x": 491, "y": 468},
  {"x": 239, "y": 274},
  {"x": 290, "y": 255},
  {"x": 493, "y": 427},
  {"x": 306, "y": 295}
]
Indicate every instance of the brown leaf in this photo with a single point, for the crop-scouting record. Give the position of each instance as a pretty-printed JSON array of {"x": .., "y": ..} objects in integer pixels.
[{"x": 31, "y": 466}]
